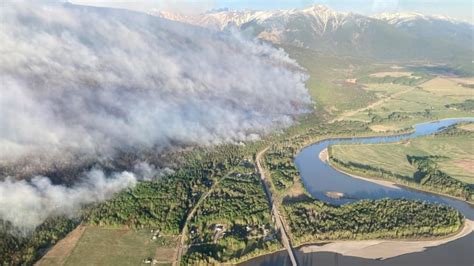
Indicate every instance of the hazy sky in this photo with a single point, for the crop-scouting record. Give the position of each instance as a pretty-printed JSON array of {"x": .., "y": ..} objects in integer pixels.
[{"x": 460, "y": 9}]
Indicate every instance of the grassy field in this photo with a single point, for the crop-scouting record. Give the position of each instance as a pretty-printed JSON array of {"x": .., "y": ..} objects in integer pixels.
[
  {"x": 395, "y": 74},
  {"x": 402, "y": 106},
  {"x": 106, "y": 246},
  {"x": 327, "y": 83},
  {"x": 457, "y": 152}
]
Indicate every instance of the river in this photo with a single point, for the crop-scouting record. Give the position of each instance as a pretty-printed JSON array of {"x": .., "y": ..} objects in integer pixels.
[{"x": 318, "y": 178}]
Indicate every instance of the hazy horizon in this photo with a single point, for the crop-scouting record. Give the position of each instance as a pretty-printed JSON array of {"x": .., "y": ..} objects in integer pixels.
[{"x": 457, "y": 9}]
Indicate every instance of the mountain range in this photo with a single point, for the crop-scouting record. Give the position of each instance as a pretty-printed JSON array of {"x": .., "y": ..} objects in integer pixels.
[{"x": 387, "y": 36}]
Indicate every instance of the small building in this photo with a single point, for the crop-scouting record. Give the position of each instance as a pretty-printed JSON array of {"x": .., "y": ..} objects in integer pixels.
[{"x": 218, "y": 227}]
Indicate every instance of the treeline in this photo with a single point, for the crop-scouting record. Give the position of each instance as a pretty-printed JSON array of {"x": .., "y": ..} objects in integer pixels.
[
  {"x": 467, "y": 105},
  {"x": 399, "y": 116},
  {"x": 428, "y": 174},
  {"x": 455, "y": 130},
  {"x": 24, "y": 248},
  {"x": 312, "y": 220},
  {"x": 415, "y": 79},
  {"x": 165, "y": 203}
]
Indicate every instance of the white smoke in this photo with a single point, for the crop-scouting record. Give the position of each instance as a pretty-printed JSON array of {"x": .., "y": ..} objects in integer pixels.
[
  {"x": 91, "y": 81},
  {"x": 27, "y": 204},
  {"x": 149, "y": 172},
  {"x": 94, "y": 80}
]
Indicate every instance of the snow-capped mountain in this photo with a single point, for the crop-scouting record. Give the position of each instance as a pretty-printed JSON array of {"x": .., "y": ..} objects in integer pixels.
[
  {"x": 398, "y": 35},
  {"x": 322, "y": 18},
  {"x": 404, "y": 18}
]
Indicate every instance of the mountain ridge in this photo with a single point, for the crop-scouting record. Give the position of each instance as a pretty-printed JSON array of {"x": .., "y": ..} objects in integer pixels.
[{"x": 384, "y": 36}]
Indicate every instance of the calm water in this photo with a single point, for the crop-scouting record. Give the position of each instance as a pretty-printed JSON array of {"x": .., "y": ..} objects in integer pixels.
[{"x": 319, "y": 178}]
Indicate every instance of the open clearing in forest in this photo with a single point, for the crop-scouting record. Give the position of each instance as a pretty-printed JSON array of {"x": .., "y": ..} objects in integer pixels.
[{"x": 120, "y": 246}]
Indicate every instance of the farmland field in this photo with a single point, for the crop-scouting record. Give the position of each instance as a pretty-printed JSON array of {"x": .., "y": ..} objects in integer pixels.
[
  {"x": 114, "y": 246},
  {"x": 404, "y": 105},
  {"x": 455, "y": 154}
]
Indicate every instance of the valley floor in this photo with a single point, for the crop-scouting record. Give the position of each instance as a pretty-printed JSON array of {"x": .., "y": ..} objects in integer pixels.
[{"x": 207, "y": 202}]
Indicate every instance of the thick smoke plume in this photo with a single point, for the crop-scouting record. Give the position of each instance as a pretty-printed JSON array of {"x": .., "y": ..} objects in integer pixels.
[
  {"x": 28, "y": 204},
  {"x": 90, "y": 81}
]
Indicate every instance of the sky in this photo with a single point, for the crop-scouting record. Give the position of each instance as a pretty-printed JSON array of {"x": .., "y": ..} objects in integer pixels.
[{"x": 459, "y": 9}]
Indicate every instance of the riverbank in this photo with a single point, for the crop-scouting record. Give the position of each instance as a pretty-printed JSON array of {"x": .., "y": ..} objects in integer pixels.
[
  {"x": 324, "y": 157},
  {"x": 384, "y": 249},
  {"x": 393, "y": 184},
  {"x": 377, "y": 248}
]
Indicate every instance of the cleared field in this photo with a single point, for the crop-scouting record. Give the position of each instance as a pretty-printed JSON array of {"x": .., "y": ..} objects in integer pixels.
[
  {"x": 395, "y": 74},
  {"x": 104, "y": 246},
  {"x": 402, "y": 106},
  {"x": 61, "y": 251},
  {"x": 382, "y": 128},
  {"x": 458, "y": 152},
  {"x": 468, "y": 127},
  {"x": 467, "y": 81},
  {"x": 447, "y": 87}
]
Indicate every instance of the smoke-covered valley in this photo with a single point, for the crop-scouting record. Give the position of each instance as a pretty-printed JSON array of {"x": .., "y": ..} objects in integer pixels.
[{"x": 81, "y": 82}]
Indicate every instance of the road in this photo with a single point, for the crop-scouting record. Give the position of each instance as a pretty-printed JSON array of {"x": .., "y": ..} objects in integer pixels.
[
  {"x": 274, "y": 210},
  {"x": 184, "y": 232},
  {"x": 372, "y": 105}
]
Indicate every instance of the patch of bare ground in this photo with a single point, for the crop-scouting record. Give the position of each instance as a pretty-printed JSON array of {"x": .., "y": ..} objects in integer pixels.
[
  {"x": 324, "y": 155},
  {"x": 468, "y": 127},
  {"x": 382, "y": 128},
  {"x": 59, "y": 253},
  {"x": 466, "y": 81},
  {"x": 395, "y": 74},
  {"x": 466, "y": 164},
  {"x": 164, "y": 255},
  {"x": 296, "y": 191}
]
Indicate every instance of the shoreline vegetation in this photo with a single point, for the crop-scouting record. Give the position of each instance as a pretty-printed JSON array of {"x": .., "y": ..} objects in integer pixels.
[
  {"x": 402, "y": 219},
  {"x": 386, "y": 248},
  {"x": 284, "y": 169},
  {"x": 393, "y": 184},
  {"x": 427, "y": 176}
]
